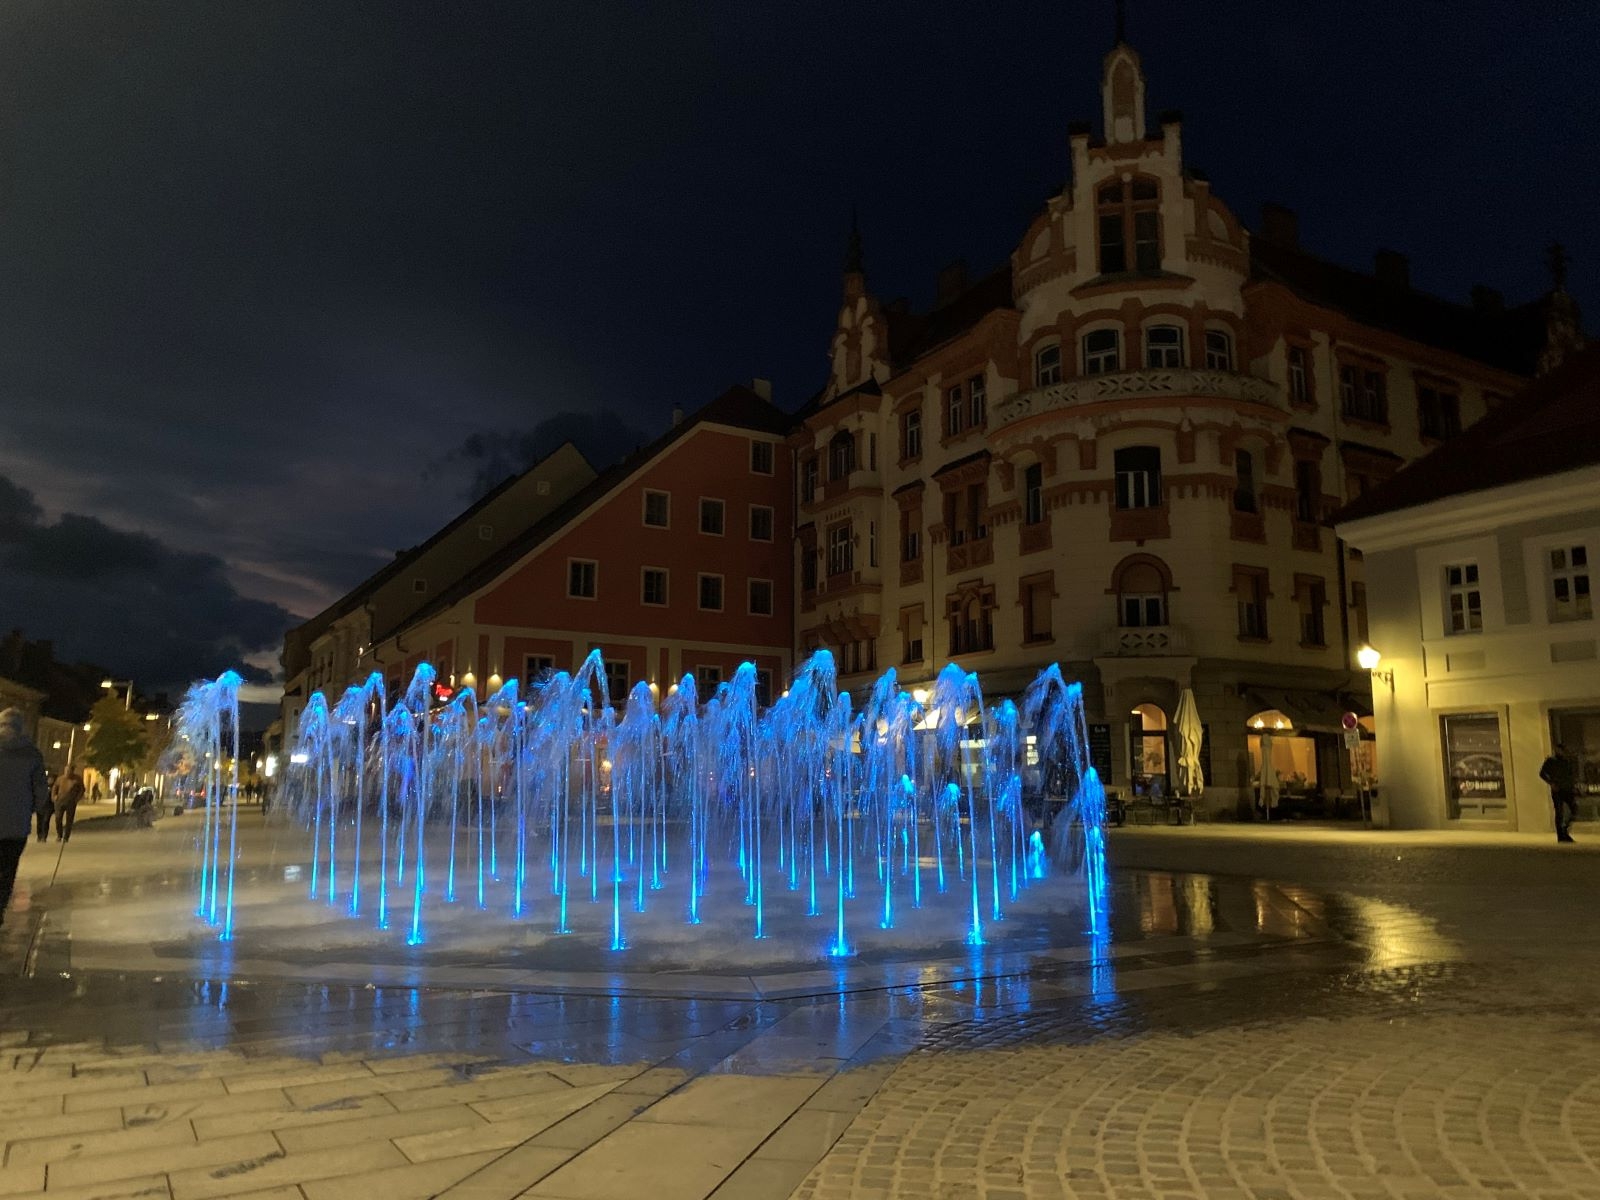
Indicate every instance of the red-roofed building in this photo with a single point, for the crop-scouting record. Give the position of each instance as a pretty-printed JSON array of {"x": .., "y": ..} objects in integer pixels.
[{"x": 1118, "y": 451}]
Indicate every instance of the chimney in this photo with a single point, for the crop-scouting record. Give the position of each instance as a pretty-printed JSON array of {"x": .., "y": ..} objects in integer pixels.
[
  {"x": 677, "y": 415},
  {"x": 1392, "y": 267},
  {"x": 762, "y": 388},
  {"x": 952, "y": 281},
  {"x": 1487, "y": 301},
  {"x": 1280, "y": 225}
]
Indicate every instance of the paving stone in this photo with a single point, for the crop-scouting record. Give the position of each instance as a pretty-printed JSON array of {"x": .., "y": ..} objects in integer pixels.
[
  {"x": 413, "y": 1181},
  {"x": 280, "y": 1169}
]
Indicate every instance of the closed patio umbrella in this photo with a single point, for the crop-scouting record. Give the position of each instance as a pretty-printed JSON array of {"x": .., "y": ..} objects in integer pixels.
[
  {"x": 1189, "y": 778},
  {"x": 1267, "y": 785}
]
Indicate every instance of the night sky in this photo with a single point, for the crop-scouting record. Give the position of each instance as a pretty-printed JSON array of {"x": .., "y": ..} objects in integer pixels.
[{"x": 280, "y": 282}]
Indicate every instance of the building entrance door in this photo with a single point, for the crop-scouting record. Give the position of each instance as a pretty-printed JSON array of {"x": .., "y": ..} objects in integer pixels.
[{"x": 1578, "y": 729}]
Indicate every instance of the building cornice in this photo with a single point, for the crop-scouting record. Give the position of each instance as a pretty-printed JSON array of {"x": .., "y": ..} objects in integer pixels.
[{"x": 1474, "y": 512}]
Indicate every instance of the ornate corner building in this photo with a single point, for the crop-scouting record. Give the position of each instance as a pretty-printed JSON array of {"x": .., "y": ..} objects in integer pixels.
[{"x": 1119, "y": 451}]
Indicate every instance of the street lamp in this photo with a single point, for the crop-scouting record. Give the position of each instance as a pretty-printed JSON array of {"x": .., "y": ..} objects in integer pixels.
[
  {"x": 127, "y": 698},
  {"x": 1368, "y": 658}
]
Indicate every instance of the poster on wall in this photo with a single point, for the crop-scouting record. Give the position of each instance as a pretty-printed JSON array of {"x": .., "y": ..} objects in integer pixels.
[
  {"x": 1475, "y": 772},
  {"x": 1100, "y": 751}
]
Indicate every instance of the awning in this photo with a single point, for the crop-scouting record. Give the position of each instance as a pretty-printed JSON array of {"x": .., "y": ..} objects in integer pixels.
[{"x": 1310, "y": 712}]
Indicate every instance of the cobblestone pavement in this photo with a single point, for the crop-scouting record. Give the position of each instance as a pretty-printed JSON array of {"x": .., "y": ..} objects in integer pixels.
[{"x": 1238, "y": 1038}]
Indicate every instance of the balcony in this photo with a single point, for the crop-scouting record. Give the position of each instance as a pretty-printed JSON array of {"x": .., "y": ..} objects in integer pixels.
[
  {"x": 969, "y": 553},
  {"x": 1144, "y": 641},
  {"x": 1174, "y": 383}
]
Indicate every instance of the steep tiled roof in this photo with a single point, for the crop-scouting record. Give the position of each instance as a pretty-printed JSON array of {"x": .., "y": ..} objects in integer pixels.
[
  {"x": 1551, "y": 426},
  {"x": 1509, "y": 339},
  {"x": 911, "y": 335},
  {"x": 738, "y": 406}
]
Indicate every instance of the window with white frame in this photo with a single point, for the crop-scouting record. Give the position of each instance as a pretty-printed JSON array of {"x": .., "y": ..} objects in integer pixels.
[
  {"x": 1138, "y": 477},
  {"x": 1163, "y": 346},
  {"x": 1219, "y": 350},
  {"x": 711, "y": 593},
  {"x": 977, "y": 402},
  {"x": 1102, "y": 352},
  {"x": 1463, "y": 601},
  {"x": 761, "y": 597},
  {"x": 654, "y": 586},
  {"x": 581, "y": 574},
  {"x": 1567, "y": 583},
  {"x": 1300, "y": 374},
  {"x": 911, "y": 434},
  {"x": 1047, "y": 365},
  {"x": 841, "y": 549},
  {"x": 761, "y": 522},
  {"x": 711, "y": 516},
  {"x": 953, "y": 409}
]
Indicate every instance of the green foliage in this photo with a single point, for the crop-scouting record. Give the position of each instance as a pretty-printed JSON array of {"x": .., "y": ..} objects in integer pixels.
[{"x": 117, "y": 737}]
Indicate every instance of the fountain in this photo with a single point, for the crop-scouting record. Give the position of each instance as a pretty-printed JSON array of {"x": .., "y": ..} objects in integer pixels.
[{"x": 549, "y": 798}]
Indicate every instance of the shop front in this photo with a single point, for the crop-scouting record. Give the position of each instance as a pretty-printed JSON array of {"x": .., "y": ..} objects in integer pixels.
[{"x": 1303, "y": 761}]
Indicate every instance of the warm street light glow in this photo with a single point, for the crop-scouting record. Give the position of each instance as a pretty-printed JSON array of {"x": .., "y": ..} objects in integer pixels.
[
  {"x": 1368, "y": 658},
  {"x": 107, "y": 684},
  {"x": 920, "y": 695},
  {"x": 152, "y": 716}
]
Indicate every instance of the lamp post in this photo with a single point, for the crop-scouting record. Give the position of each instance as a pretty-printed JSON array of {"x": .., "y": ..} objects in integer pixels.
[{"x": 127, "y": 684}]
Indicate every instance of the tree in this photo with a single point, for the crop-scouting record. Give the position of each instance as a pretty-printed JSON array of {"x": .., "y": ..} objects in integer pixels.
[{"x": 117, "y": 737}]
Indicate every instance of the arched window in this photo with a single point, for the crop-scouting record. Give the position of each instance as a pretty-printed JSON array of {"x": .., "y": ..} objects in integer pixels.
[
  {"x": 1047, "y": 365},
  {"x": 841, "y": 455},
  {"x": 1141, "y": 583},
  {"x": 970, "y": 613},
  {"x": 1129, "y": 223},
  {"x": 1219, "y": 350},
  {"x": 1163, "y": 346},
  {"x": 1102, "y": 352}
]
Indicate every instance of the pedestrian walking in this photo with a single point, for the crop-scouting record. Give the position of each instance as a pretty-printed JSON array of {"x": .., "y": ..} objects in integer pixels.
[
  {"x": 1560, "y": 771},
  {"x": 23, "y": 796},
  {"x": 65, "y": 795}
]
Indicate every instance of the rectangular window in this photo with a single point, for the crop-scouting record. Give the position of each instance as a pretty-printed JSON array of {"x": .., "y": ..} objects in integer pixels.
[
  {"x": 1244, "y": 482},
  {"x": 872, "y": 543},
  {"x": 761, "y": 597},
  {"x": 536, "y": 666},
  {"x": 911, "y": 634},
  {"x": 1313, "y": 596},
  {"x": 1038, "y": 595},
  {"x": 911, "y": 435},
  {"x": 1163, "y": 346},
  {"x": 808, "y": 481},
  {"x": 617, "y": 681},
  {"x": 1474, "y": 764},
  {"x": 1219, "y": 350},
  {"x": 1033, "y": 494},
  {"x": 1101, "y": 352},
  {"x": 581, "y": 574},
  {"x": 711, "y": 516},
  {"x": 711, "y": 593},
  {"x": 841, "y": 550},
  {"x": 1300, "y": 375},
  {"x": 1349, "y": 391},
  {"x": 761, "y": 457},
  {"x": 707, "y": 680},
  {"x": 1364, "y": 394},
  {"x": 1463, "y": 602},
  {"x": 1113, "y": 250},
  {"x": 1138, "y": 610},
  {"x": 654, "y": 586},
  {"x": 1567, "y": 571},
  {"x": 952, "y": 412},
  {"x": 1147, "y": 240},
  {"x": 760, "y": 523},
  {"x": 910, "y": 535},
  {"x": 977, "y": 402},
  {"x": 1438, "y": 413},
  {"x": 1307, "y": 492},
  {"x": 763, "y": 687},
  {"x": 1250, "y": 594},
  {"x": 1047, "y": 365},
  {"x": 1138, "y": 475},
  {"x": 657, "y": 509}
]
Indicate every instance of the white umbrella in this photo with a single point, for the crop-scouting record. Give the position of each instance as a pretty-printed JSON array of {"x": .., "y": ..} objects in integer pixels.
[
  {"x": 1190, "y": 776},
  {"x": 1268, "y": 782}
]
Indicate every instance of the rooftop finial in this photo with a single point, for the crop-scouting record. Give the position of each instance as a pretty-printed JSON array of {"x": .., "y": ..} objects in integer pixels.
[
  {"x": 1556, "y": 256},
  {"x": 852, "y": 254}
]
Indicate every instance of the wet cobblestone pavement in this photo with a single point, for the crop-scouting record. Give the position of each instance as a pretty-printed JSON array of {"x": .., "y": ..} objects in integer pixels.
[{"x": 1353, "y": 1029}]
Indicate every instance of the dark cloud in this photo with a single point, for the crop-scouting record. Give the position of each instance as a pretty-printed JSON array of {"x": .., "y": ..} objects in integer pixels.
[
  {"x": 160, "y": 616},
  {"x": 488, "y": 457}
]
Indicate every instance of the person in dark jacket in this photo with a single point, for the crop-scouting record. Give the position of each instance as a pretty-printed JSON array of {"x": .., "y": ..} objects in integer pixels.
[
  {"x": 24, "y": 796},
  {"x": 1561, "y": 773},
  {"x": 65, "y": 795}
]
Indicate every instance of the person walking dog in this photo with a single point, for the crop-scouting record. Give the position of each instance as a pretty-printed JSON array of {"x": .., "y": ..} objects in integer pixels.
[
  {"x": 65, "y": 796},
  {"x": 24, "y": 795},
  {"x": 1561, "y": 773}
]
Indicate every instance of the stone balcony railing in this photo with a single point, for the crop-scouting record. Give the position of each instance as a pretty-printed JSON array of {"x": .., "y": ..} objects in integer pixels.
[
  {"x": 1178, "y": 383},
  {"x": 1144, "y": 641}
]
